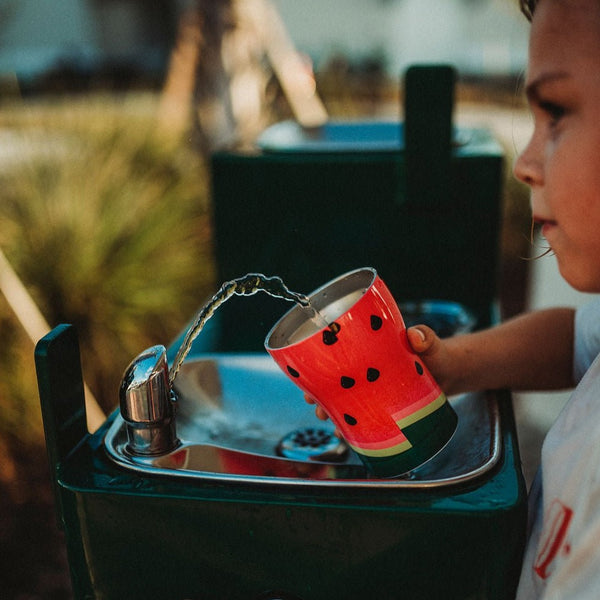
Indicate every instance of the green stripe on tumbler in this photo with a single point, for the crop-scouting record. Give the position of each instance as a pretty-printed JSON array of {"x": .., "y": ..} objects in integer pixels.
[{"x": 427, "y": 436}]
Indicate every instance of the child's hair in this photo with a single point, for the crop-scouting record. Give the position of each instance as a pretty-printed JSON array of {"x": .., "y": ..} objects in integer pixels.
[{"x": 528, "y": 7}]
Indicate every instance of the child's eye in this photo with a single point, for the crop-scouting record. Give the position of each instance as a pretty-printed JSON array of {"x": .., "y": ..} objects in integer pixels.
[{"x": 554, "y": 111}]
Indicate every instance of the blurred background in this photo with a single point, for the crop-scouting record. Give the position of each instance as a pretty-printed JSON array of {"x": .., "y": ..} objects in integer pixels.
[{"x": 108, "y": 112}]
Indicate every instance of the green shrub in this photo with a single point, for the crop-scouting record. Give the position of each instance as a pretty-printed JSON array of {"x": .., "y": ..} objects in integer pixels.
[{"x": 106, "y": 223}]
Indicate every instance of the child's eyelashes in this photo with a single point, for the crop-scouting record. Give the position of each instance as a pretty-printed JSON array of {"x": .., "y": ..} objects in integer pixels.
[{"x": 554, "y": 111}]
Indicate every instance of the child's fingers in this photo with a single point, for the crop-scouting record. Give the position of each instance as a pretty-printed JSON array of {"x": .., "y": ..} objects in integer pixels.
[
  {"x": 421, "y": 338},
  {"x": 321, "y": 414}
]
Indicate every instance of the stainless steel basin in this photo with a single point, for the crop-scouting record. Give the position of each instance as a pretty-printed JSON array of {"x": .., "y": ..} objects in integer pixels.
[{"x": 235, "y": 410}]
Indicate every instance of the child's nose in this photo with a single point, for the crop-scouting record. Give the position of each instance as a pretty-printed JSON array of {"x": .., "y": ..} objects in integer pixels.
[{"x": 527, "y": 167}]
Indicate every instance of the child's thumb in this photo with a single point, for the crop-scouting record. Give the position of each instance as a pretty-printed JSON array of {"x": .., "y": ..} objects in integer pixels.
[{"x": 421, "y": 338}]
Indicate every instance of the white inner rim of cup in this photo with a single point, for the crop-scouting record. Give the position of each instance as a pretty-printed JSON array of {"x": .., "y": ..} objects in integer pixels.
[{"x": 330, "y": 300}]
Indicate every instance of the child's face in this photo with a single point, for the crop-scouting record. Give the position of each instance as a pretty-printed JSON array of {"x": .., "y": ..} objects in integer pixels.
[{"x": 561, "y": 163}]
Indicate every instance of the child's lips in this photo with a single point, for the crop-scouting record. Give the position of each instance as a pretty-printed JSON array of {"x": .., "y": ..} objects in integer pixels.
[{"x": 547, "y": 225}]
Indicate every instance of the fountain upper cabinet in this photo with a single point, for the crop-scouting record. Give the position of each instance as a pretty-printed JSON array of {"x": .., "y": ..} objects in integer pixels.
[{"x": 419, "y": 200}]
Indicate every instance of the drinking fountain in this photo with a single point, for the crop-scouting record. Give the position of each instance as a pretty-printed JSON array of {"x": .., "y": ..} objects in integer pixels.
[{"x": 221, "y": 484}]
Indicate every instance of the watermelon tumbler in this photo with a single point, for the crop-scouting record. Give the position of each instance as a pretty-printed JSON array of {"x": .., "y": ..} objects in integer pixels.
[{"x": 354, "y": 359}]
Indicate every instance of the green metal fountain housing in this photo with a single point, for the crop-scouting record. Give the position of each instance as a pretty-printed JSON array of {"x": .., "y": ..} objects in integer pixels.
[
  {"x": 221, "y": 514},
  {"x": 419, "y": 200}
]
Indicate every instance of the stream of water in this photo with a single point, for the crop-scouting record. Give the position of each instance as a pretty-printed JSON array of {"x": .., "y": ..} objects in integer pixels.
[{"x": 244, "y": 286}]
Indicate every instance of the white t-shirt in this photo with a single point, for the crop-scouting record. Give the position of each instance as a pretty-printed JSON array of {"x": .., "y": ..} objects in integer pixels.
[{"x": 562, "y": 558}]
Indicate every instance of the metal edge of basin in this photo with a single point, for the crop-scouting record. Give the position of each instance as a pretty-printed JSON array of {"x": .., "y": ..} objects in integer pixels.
[{"x": 115, "y": 445}]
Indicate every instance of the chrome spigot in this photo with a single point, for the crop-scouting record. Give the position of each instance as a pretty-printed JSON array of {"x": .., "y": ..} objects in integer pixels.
[{"x": 147, "y": 405}]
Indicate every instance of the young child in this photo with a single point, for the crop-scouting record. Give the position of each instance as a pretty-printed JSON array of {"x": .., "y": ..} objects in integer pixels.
[{"x": 556, "y": 348}]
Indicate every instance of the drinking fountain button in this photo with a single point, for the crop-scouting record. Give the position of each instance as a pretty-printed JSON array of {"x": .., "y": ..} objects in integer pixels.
[{"x": 146, "y": 404}]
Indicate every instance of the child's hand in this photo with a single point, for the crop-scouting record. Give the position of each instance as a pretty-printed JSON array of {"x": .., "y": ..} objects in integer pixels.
[
  {"x": 432, "y": 350},
  {"x": 531, "y": 352}
]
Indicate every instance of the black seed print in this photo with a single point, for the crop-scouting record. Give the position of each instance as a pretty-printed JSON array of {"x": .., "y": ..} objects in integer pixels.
[
  {"x": 376, "y": 322},
  {"x": 292, "y": 371},
  {"x": 419, "y": 368},
  {"x": 372, "y": 374},
  {"x": 347, "y": 382},
  {"x": 329, "y": 337},
  {"x": 350, "y": 419}
]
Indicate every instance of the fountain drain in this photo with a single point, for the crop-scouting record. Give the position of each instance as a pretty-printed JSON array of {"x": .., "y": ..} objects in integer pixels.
[{"x": 312, "y": 444}]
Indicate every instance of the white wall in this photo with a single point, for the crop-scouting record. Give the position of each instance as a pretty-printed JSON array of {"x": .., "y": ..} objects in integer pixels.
[
  {"x": 478, "y": 36},
  {"x": 36, "y": 33}
]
